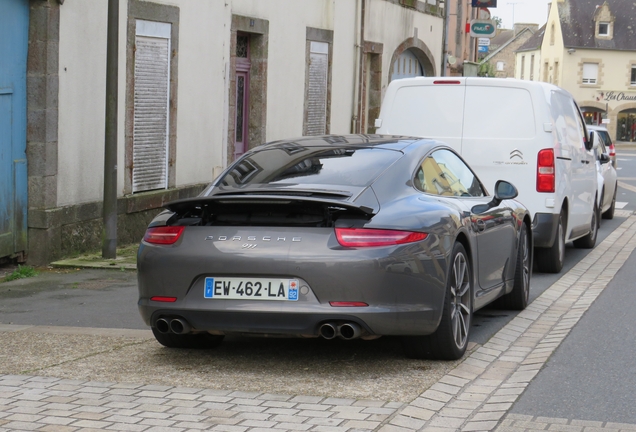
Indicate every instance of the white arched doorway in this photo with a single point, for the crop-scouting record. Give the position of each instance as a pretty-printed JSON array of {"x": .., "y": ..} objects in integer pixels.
[{"x": 407, "y": 66}]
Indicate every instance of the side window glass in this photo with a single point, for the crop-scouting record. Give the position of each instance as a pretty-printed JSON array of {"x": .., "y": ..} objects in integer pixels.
[
  {"x": 581, "y": 125},
  {"x": 443, "y": 173}
]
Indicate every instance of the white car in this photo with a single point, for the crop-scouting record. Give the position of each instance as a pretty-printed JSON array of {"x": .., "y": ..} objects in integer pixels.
[
  {"x": 607, "y": 177},
  {"x": 607, "y": 140}
]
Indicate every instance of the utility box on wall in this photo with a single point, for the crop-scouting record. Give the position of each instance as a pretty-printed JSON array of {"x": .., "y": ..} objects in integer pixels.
[{"x": 471, "y": 69}]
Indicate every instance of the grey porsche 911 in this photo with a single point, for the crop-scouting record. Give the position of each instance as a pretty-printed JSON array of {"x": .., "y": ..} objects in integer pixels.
[{"x": 355, "y": 236}]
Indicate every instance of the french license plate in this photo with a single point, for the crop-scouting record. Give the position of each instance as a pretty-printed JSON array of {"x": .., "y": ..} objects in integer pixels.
[{"x": 252, "y": 289}]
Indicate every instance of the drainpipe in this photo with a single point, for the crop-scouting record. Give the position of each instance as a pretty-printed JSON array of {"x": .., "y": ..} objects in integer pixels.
[
  {"x": 445, "y": 38},
  {"x": 361, "y": 65},
  {"x": 109, "y": 234},
  {"x": 356, "y": 32}
]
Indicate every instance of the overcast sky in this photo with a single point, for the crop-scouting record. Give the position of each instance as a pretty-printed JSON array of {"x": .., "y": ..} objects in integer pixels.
[{"x": 526, "y": 11}]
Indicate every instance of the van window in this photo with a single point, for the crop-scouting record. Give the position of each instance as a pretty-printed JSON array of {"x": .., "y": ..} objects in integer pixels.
[
  {"x": 427, "y": 111},
  {"x": 565, "y": 117},
  {"x": 498, "y": 113}
]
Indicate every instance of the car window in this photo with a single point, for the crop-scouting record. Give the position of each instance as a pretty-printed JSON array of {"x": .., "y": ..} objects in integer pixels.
[
  {"x": 606, "y": 137},
  {"x": 299, "y": 165},
  {"x": 444, "y": 173},
  {"x": 601, "y": 143},
  {"x": 581, "y": 125}
]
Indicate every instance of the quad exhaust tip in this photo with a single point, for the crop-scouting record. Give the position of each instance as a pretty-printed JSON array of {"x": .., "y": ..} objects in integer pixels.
[
  {"x": 328, "y": 331},
  {"x": 347, "y": 331},
  {"x": 175, "y": 325}
]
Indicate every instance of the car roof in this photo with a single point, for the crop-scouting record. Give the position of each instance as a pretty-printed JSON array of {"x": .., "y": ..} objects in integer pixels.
[
  {"x": 597, "y": 128},
  {"x": 389, "y": 142}
]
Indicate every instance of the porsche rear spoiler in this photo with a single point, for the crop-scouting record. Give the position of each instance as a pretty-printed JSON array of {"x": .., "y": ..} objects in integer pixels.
[{"x": 182, "y": 205}]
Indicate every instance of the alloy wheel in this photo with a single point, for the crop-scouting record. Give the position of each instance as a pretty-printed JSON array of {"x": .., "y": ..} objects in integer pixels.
[{"x": 460, "y": 301}]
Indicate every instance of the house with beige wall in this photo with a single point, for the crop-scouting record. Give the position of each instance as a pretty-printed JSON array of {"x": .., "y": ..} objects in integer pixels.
[
  {"x": 200, "y": 82},
  {"x": 589, "y": 48},
  {"x": 503, "y": 58}
]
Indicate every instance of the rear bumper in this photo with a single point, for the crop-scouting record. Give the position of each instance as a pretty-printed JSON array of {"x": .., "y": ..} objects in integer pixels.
[
  {"x": 544, "y": 229},
  {"x": 374, "y": 321}
]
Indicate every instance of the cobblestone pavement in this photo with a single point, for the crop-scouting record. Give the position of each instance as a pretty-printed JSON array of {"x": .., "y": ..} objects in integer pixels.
[{"x": 474, "y": 396}]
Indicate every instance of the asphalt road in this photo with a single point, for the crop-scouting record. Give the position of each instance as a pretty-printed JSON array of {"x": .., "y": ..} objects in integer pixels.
[{"x": 592, "y": 375}]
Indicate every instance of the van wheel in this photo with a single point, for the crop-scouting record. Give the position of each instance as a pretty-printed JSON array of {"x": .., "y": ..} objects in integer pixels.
[
  {"x": 550, "y": 260},
  {"x": 589, "y": 240},
  {"x": 517, "y": 299},
  {"x": 450, "y": 340},
  {"x": 609, "y": 214}
]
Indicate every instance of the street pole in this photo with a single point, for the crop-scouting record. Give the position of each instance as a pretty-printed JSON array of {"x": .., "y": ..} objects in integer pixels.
[
  {"x": 109, "y": 235},
  {"x": 513, "y": 11}
]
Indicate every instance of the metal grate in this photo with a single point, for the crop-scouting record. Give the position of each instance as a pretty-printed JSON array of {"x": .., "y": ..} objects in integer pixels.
[
  {"x": 317, "y": 92},
  {"x": 150, "y": 131}
]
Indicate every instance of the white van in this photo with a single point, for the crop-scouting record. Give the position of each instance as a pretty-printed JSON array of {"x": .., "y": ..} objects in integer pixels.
[{"x": 529, "y": 133}]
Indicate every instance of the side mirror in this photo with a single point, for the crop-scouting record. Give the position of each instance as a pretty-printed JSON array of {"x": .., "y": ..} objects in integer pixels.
[
  {"x": 589, "y": 142},
  {"x": 503, "y": 191},
  {"x": 604, "y": 158}
]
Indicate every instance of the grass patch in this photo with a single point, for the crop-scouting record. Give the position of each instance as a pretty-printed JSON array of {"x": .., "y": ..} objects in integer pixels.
[{"x": 20, "y": 273}]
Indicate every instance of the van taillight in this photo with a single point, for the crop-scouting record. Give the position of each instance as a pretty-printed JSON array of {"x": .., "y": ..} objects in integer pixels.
[
  {"x": 545, "y": 171},
  {"x": 446, "y": 82},
  {"x": 612, "y": 150}
]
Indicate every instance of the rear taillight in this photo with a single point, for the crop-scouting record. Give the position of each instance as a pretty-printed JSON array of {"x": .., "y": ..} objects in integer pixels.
[
  {"x": 545, "y": 171},
  {"x": 612, "y": 150},
  {"x": 446, "y": 82},
  {"x": 348, "y": 304},
  {"x": 165, "y": 235},
  {"x": 363, "y": 237},
  {"x": 163, "y": 299}
]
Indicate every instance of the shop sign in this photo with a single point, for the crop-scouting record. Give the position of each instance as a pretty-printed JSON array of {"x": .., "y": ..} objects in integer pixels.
[
  {"x": 619, "y": 96},
  {"x": 616, "y": 96},
  {"x": 483, "y": 28}
]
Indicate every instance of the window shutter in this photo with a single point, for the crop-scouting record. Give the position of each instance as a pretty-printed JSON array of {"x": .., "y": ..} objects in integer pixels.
[
  {"x": 150, "y": 130},
  {"x": 590, "y": 73},
  {"x": 317, "y": 92}
]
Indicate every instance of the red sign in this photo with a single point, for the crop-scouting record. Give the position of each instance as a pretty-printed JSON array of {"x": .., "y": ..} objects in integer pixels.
[{"x": 484, "y": 3}]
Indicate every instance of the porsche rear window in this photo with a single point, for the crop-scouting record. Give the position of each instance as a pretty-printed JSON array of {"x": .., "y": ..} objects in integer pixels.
[{"x": 290, "y": 165}]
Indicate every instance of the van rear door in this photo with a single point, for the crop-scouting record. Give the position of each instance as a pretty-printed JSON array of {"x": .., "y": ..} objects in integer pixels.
[
  {"x": 424, "y": 107},
  {"x": 500, "y": 129}
]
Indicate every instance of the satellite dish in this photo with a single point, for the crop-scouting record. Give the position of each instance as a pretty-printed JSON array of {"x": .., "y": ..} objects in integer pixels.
[{"x": 452, "y": 60}]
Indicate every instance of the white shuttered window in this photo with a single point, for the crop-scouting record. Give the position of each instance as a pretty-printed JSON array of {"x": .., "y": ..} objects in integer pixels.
[
  {"x": 590, "y": 73},
  {"x": 151, "y": 101},
  {"x": 317, "y": 97}
]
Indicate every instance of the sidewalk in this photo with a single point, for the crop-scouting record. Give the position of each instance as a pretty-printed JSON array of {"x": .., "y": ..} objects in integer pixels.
[{"x": 475, "y": 395}]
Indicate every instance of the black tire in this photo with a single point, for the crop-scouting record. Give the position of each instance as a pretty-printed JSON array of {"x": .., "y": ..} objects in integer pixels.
[
  {"x": 600, "y": 209},
  {"x": 589, "y": 240},
  {"x": 550, "y": 260},
  {"x": 450, "y": 340},
  {"x": 609, "y": 214},
  {"x": 517, "y": 299},
  {"x": 188, "y": 341}
]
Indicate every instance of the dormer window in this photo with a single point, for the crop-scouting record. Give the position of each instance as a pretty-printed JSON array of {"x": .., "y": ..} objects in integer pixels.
[{"x": 604, "y": 21}]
